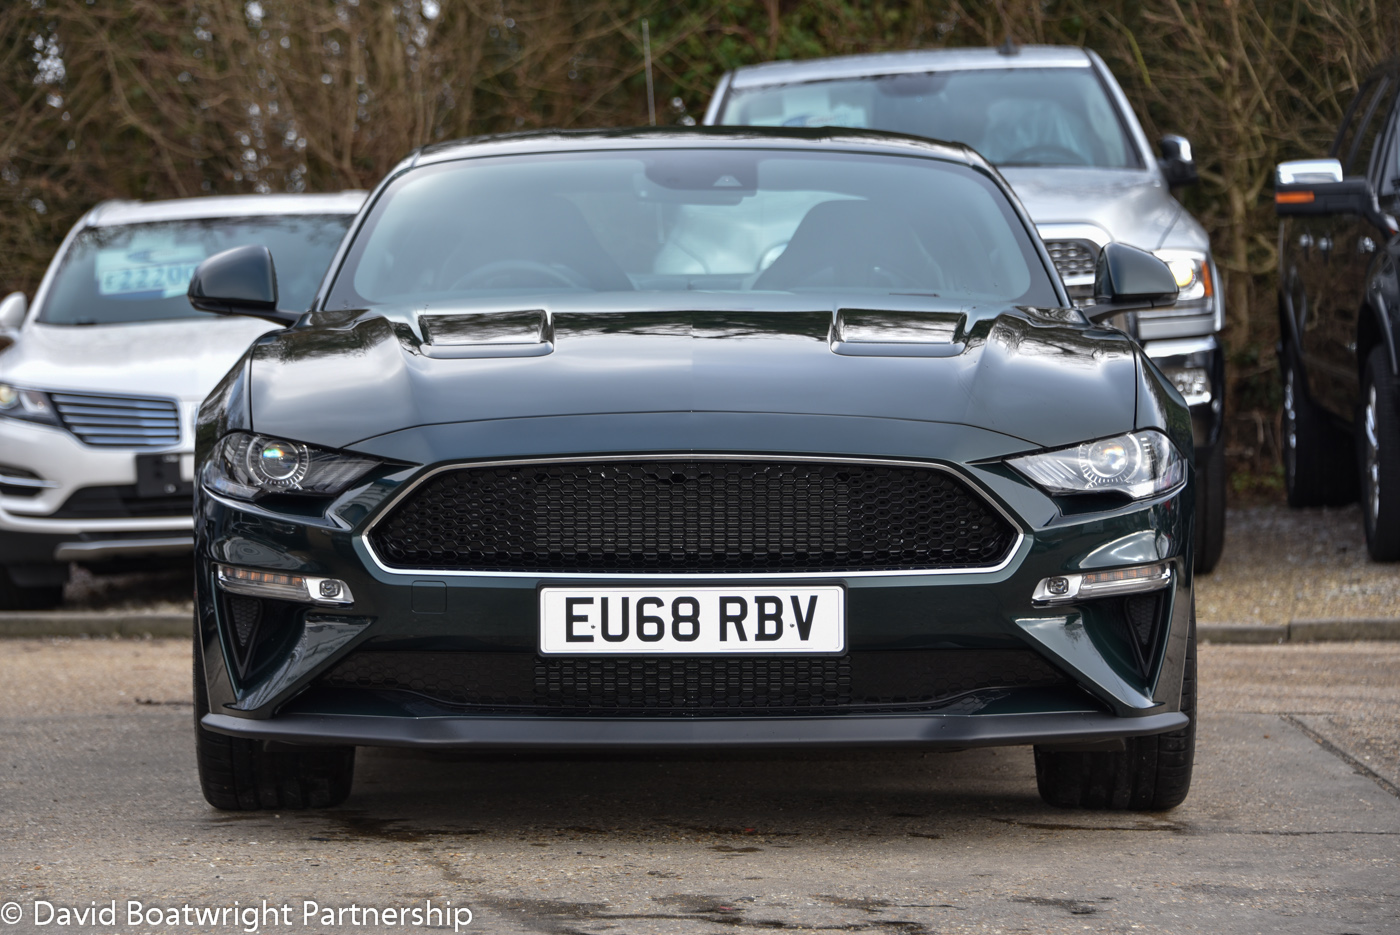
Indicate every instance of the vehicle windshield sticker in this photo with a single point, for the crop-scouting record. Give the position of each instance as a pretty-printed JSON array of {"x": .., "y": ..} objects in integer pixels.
[{"x": 146, "y": 272}]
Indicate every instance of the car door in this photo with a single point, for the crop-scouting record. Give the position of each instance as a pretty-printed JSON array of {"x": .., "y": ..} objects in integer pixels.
[{"x": 1338, "y": 251}]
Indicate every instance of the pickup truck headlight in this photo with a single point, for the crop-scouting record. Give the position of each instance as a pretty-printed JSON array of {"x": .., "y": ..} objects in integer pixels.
[
  {"x": 1193, "y": 280},
  {"x": 29, "y": 405},
  {"x": 1136, "y": 465},
  {"x": 246, "y": 467}
]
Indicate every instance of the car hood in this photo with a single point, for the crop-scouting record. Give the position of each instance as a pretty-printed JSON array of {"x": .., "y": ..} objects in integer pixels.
[
  {"x": 1131, "y": 207},
  {"x": 1033, "y": 377},
  {"x": 182, "y": 359}
]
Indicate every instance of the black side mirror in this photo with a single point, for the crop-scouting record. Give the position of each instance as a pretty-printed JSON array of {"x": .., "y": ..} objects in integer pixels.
[
  {"x": 241, "y": 281},
  {"x": 1127, "y": 279},
  {"x": 1316, "y": 186},
  {"x": 1177, "y": 164}
]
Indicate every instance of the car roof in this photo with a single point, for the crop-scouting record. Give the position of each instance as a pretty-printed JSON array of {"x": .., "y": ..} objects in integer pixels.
[
  {"x": 817, "y": 139},
  {"x": 895, "y": 63},
  {"x": 111, "y": 213}
]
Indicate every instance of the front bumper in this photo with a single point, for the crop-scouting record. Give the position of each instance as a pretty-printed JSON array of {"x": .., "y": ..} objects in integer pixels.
[
  {"x": 36, "y": 529},
  {"x": 277, "y": 688},
  {"x": 1192, "y": 357}
]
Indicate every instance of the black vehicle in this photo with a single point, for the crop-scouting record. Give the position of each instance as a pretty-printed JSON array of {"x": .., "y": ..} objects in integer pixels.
[
  {"x": 1339, "y": 316},
  {"x": 707, "y": 439}
]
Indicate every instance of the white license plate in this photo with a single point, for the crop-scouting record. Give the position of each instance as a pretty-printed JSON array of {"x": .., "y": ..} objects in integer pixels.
[{"x": 692, "y": 621}]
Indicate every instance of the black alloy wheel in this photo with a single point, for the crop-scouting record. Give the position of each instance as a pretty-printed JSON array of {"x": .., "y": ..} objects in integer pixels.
[
  {"x": 1318, "y": 466},
  {"x": 1378, "y": 455},
  {"x": 241, "y": 775}
]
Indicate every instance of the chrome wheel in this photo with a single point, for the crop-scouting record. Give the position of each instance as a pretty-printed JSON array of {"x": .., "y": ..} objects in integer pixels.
[
  {"x": 1371, "y": 457},
  {"x": 1290, "y": 424}
]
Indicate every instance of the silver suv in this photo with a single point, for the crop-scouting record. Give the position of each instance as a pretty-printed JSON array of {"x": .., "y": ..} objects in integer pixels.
[
  {"x": 1058, "y": 127},
  {"x": 101, "y": 376}
]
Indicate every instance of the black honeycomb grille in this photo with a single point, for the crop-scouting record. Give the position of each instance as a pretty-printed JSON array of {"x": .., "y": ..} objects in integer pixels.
[
  {"x": 693, "y": 515},
  {"x": 526, "y": 683}
]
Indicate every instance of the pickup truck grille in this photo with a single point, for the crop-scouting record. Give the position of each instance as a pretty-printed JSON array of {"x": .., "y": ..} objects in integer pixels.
[{"x": 1073, "y": 258}]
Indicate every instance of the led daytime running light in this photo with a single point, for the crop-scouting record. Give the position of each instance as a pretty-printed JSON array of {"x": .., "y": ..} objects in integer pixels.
[
  {"x": 1115, "y": 582},
  {"x": 279, "y": 586}
]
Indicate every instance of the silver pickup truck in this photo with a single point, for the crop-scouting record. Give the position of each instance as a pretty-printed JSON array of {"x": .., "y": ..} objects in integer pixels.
[{"x": 1058, "y": 127}]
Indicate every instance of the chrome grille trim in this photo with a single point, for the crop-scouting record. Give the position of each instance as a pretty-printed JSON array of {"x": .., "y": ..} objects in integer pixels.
[
  {"x": 1074, "y": 259},
  {"x": 1013, "y": 552},
  {"x": 119, "y": 421}
]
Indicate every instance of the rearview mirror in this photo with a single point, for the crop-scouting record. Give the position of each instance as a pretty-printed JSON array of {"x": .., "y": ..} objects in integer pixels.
[
  {"x": 1127, "y": 279},
  {"x": 241, "y": 281},
  {"x": 12, "y": 309},
  {"x": 1177, "y": 164}
]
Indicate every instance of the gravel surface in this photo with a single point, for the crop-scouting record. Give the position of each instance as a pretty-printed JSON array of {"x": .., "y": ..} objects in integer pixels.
[{"x": 1282, "y": 564}]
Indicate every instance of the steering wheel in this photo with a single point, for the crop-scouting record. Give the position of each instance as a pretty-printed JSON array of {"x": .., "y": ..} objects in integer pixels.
[
  {"x": 1045, "y": 149},
  {"x": 499, "y": 274}
]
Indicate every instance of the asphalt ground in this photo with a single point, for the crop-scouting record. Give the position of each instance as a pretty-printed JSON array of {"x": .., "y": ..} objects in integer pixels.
[{"x": 1292, "y": 826}]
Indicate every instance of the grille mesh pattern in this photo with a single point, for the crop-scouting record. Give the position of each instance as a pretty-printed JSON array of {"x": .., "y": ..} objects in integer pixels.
[
  {"x": 245, "y": 613},
  {"x": 119, "y": 421},
  {"x": 1072, "y": 257},
  {"x": 860, "y": 681},
  {"x": 693, "y": 515}
]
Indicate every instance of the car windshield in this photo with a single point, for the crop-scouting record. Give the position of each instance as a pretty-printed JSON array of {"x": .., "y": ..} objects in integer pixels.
[
  {"x": 1012, "y": 116},
  {"x": 693, "y": 220},
  {"x": 140, "y": 272}
]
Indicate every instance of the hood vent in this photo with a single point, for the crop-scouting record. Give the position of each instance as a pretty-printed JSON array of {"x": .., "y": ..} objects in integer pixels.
[
  {"x": 873, "y": 333},
  {"x": 527, "y": 333}
]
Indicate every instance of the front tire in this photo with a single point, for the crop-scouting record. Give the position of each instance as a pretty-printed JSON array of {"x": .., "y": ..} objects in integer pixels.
[
  {"x": 1378, "y": 454},
  {"x": 1151, "y": 774},
  {"x": 1210, "y": 509},
  {"x": 17, "y": 596},
  {"x": 1318, "y": 468},
  {"x": 239, "y": 775}
]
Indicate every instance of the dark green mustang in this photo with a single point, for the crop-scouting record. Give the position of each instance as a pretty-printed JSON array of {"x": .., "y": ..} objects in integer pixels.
[{"x": 724, "y": 439}]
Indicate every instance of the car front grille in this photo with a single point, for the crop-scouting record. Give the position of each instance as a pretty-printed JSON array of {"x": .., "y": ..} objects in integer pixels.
[
  {"x": 121, "y": 502},
  {"x": 700, "y": 515},
  {"x": 862, "y": 681},
  {"x": 1073, "y": 258},
  {"x": 119, "y": 421}
]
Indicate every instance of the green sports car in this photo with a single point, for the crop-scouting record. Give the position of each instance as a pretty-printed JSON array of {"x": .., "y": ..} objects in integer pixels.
[{"x": 704, "y": 439}]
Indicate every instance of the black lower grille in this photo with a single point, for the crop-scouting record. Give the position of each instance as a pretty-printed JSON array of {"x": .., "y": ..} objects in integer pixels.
[
  {"x": 693, "y": 515},
  {"x": 125, "y": 502},
  {"x": 526, "y": 683}
]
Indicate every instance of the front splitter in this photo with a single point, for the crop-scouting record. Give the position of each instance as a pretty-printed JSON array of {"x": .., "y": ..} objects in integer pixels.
[{"x": 580, "y": 733}]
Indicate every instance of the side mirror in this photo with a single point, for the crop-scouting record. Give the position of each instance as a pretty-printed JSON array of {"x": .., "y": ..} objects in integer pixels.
[
  {"x": 12, "y": 309},
  {"x": 241, "y": 281},
  {"x": 1177, "y": 164},
  {"x": 1316, "y": 186},
  {"x": 1127, "y": 279}
]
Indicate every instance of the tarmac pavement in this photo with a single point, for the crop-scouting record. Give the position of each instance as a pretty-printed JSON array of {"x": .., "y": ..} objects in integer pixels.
[{"x": 1292, "y": 826}]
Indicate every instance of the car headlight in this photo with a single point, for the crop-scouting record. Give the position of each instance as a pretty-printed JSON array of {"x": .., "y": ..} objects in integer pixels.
[
  {"x": 1137, "y": 465},
  {"x": 247, "y": 467},
  {"x": 29, "y": 405},
  {"x": 1191, "y": 268}
]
